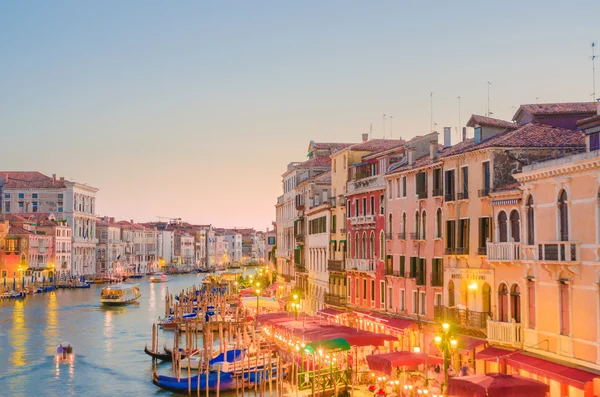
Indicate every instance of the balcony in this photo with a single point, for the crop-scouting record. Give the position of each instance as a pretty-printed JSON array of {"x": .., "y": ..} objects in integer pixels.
[
  {"x": 299, "y": 268},
  {"x": 341, "y": 200},
  {"x": 366, "y": 265},
  {"x": 449, "y": 250},
  {"x": 482, "y": 251},
  {"x": 402, "y": 236},
  {"x": 498, "y": 252},
  {"x": 510, "y": 334},
  {"x": 362, "y": 220},
  {"x": 288, "y": 278},
  {"x": 336, "y": 300},
  {"x": 437, "y": 192},
  {"x": 416, "y": 236},
  {"x": 463, "y": 196},
  {"x": 300, "y": 237},
  {"x": 558, "y": 251},
  {"x": 332, "y": 202},
  {"x": 466, "y": 318},
  {"x": 389, "y": 236},
  {"x": 422, "y": 195},
  {"x": 449, "y": 197},
  {"x": 462, "y": 251},
  {"x": 483, "y": 192},
  {"x": 335, "y": 266},
  {"x": 370, "y": 182},
  {"x": 343, "y": 230}
]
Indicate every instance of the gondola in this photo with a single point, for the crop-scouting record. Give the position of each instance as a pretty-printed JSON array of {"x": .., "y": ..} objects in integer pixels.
[
  {"x": 181, "y": 386},
  {"x": 159, "y": 356}
]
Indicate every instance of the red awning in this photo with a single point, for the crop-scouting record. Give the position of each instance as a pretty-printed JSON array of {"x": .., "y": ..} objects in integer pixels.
[
  {"x": 561, "y": 373},
  {"x": 273, "y": 287},
  {"x": 493, "y": 353},
  {"x": 329, "y": 312},
  {"x": 384, "y": 362},
  {"x": 496, "y": 385},
  {"x": 368, "y": 340},
  {"x": 466, "y": 343},
  {"x": 398, "y": 324}
]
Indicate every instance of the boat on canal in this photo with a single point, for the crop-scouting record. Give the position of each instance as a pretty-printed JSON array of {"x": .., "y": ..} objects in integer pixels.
[
  {"x": 224, "y": 380},
  {"x": 64, "y": 352},
  {"x": 120, "y": 294},
  {"x": 158, "y": 278}
]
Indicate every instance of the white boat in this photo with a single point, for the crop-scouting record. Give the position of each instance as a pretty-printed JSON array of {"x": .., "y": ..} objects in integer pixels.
[
  {"x": 248, "y": 364},
  {"x": 158, "y": 278},
  {"x": 120, "y": 294},
  {"x": 195, "y": 359}
]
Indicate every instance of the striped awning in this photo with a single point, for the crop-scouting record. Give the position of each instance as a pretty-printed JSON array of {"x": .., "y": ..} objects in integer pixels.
[{"x": 506, "y": 202}]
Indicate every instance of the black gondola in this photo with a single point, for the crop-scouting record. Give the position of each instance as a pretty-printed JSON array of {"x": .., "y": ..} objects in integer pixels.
[{"x": 159, "y": 356}]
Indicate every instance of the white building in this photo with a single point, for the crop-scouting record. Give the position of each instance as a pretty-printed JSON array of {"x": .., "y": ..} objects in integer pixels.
[
  {"x": 166, "y": 246},
  {"x": 234, "y": 246},
  {"x": 110, "y": 250},
  {"x": 221, "y": 250}
]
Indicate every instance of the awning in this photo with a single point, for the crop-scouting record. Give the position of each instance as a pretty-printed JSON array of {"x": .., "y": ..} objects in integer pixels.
[
  {"x": 330, "y": 345},
  {"x": 384, "y": 362},
  {"x": 496, "y": 385},
  {"x": 493, "y": 353},
  {"x": 398, "y": 324},
  {"x": 273, "y": 287},
  {"x": 466, "y": 343},
  {"x": 369, "y": 340},
  {"x": 329, "y": 312},
  {"x": 561, "y": 373},
  {"x": 263, "y": 301}
]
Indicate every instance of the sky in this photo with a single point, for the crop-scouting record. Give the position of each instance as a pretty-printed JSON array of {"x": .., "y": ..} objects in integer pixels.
[{"x": 193, "y": 109}]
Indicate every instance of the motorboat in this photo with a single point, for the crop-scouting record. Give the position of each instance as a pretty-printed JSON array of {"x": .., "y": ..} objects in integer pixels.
[
  {"x": 64, "y": 352},
  {"x": 120, "y": 294},
  {"x": 158, "y": 278}
]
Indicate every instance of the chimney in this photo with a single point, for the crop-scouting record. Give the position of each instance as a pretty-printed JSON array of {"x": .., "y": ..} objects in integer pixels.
[
  {"x": 54, "y": 177},
  {"x": 411, "y": 155},
  {"x": 433, "y": 149},
  {"x": 464, "y": 134},
  {"x": 447, "y": 136},
  {"x": 6, "y": 177},
  {"x": 365, "y": 137},
  {"x": 598, "y": 108},
  {"x": 62, "y": 178}
]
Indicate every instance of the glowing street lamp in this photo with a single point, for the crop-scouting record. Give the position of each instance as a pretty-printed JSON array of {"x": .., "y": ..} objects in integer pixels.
[{"x": 446, "y": 343}]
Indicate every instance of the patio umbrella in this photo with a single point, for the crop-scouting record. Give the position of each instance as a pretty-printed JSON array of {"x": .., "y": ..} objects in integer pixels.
[{"x": 496, "y": 385}]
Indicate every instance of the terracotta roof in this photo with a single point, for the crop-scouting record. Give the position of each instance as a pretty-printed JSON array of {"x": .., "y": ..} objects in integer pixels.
[
  {"x": 376, "y": 145},
  {"x": 531, "y": 135},
  {"x": 489, "y": 121},
  {"x": 588, "y": 120},
  {"x": 18, "y": 230},
  {"x": 330, "y": 145},
  {"x": 321, "y": 161},
  {"x": 509, "y": 186},
  {"x": 29, "y": 179},
  {"x": 323, "y": 177},
  {"x": 547, "y": 109},
  {"x": 423, "y": 161}
]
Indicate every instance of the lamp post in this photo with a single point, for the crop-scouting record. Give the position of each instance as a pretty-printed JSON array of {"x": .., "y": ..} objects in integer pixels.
[
  {"x": 256, "y": 317},
  {"x": 295, "y": 306},
  {"x": 446, "y": 343}
]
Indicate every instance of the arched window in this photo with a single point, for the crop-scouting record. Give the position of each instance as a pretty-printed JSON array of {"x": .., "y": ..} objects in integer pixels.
[
  {"x": 348, "y": 241},
  {"x": 502, "y": 227},
  {"x": 438, "y": 223},
  {"x": 451, "y": 293},
  {"x": 424, "y": 227},
  {"x": 404, "y": 224},
  {"x": 364, "y": 245},
  {"x": 356, "y": 246},
  {"x": 390, "y": 225},
  {"x": 515, "y": 302},
  {"x": 564, "y": 216},
  {"x": 515, "y": 229},
  {"x": 503, "y": 303},
  {"x": 381, "y": 245},
  {"x": 417, "y": 225},
  {"x": 530, "y": 221},
  {"x": 372, "y": 244}
]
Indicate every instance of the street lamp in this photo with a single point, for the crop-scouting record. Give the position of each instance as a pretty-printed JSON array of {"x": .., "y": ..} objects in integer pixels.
[{"x": 446, "y": 343}]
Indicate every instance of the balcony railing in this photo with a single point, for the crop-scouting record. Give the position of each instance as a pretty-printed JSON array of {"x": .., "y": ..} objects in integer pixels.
[
  {"x": 449, "y": 197},
  {"x": 482, "y": 251},
  {"x": 402, "y": 236},
  {"x": 287, "y": 277},
  {"x": 463, "y": 196},
  {"x": 509, "y": 251},
  {"x": 336, "y": 300},
  {"x": 449, "y": 250},
  {"x": 467, "y": 318},
  {"x": 335, "y": 266},
  {"x": 299, "y": 268},
  {"x": 343, "y": 230},
  {"x": 422, "y": 195},
  {"x": 437, "y": 192},
  {"x": 505, "y": 333},
  {"x": 332, "y": 201},
  {"x": 361, "y": 264},
  {"x": 369, "y": 182},
  {"x": 300, "y": 237},
  {"x": 462, "y": 250},
  {"x": 484, "y": 192},
  {"x": 389, "y": 236},
  {"x": 558, "y": 251},
  {"x": 362, "y": 220},
  {"x": 416, "y": 236}
]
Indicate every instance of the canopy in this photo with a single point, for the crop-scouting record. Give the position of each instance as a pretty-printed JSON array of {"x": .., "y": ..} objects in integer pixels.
[
  {"x": 263, "y": 301},
  {"x": 329, "y": 312},
  {"x": 496, "y": 385},
  {"x": 384, "y": 362},
  {"x": 330, "y": 345}
]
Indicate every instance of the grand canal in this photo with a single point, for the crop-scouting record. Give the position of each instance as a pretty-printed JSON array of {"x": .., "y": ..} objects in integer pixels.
[{"x": 108, "y": 342}]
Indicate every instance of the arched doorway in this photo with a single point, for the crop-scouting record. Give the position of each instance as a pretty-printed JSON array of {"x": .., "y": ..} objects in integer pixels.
[
  {"x": 451, "y": 294},
  {"x": 515, "y": 302},
  {"x": 486, "y": 296}
]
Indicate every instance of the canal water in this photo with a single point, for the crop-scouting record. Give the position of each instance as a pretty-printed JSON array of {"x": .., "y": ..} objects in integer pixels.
[{"x": 108, "y": 342}]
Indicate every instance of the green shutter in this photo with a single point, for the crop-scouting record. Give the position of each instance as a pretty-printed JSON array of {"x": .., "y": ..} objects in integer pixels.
[{"x": 402, "y": 260}]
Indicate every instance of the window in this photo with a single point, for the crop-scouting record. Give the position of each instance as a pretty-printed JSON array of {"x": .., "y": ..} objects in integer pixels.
[
  {"x": 364, "y": 245},
  {"x": 390, "y": 297},
  {"x": 60, "y": 195},
  {"x": 372, "y": 246},
  {"x": 530, "y": 221},
  {"x": 438, "y": 299},
  {"x": 6, "y": 195},
  {"x": 347, "y": 283},
  {"x": 594, "y": 142},
  {"x": 390, "y": 224},
  {"x": 381, "y": 205},
  {"x": 502, "y": 227},
  {"x": 465, "y": 182},
  {"x": 503, "y": 303},
  {"x": 438, "y": 223},
  {"x": 417, "y": 225},
  {"x": 60, "y": 209},
  {"x": 356, "y": 288},
  {"x": 450, "y": 236},
  {"x": 421, "y": 271},
  {"x": 402, "y": 300},
  {"x": 423, "y": 303},
  {"x": 415, "y": 302},
  {"x": 424, "y": 227},
  {"x": 364, "y": 289},
  {"x": 381, "y": 245},
  {"x": 413, "y": 267},
  {"x": 372, "y": 205},
  {"x": 389, "y": 189},
  {"x": 35, "y": 206},
  {"x": 21, "y": 195},
  {"x": 364, "y": 205},
  {"x": 382, "y": 294},
  {"x": 404, "y": 225},
  {"x": 356, "y": 208},
  {"x": 451, "y": 295},
  {"x": 449, "y": 186},
  {"x": 485, "y": 171},
  {"x": 515, "y": 228},
  {"x": 477, "y": 134},
  {"x": 437, "y": 272},
  {"x": 437, "y": 182},
  {"x": 564, "y": 216},
  {"x": 398, "y": 188},
  {"x": 463, "y": 235},
  {"x": 402, "y": 265},
  {"x": 334, "y": 165},
  {"x": 271, "y": 240},
  {"x": 373, "y": 291},
  {"x": 7, "y": 207},
  {"x": 485, "y": 233},
  {"x": 403, "y": 186},
  {"x": 356, "y": 246},
  {"x": 34, "y": 195},
  {"x": 531, "y": 299},
  {"x": 421, "y": 184},
  {"x": 515, "y": 302},
  {"x": 564, "y": 308}
]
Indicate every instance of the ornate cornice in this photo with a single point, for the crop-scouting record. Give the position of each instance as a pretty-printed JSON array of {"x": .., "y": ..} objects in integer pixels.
[{"x": 553, "y": 171}]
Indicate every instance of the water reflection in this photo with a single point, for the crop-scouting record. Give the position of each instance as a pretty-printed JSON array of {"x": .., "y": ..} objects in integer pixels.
[
  {"x": 18, "y": 336},
  {"x": 52, "y": 322},
  {"x": 108, "y": 330}
]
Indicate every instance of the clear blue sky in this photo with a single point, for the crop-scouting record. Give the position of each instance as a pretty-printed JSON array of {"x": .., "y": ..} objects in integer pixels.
[{"x": 194, "y": 108}]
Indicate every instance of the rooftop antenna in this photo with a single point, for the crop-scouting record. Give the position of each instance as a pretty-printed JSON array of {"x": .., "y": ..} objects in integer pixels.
[
  {"x": 488, "y": 108},
  {"x": 431, "y": 111},
  {"x": 384, "y": 126},
  {"x": 391, "y": 127},
  {"x": 593, "y": 71},
  {"x": 459, "y": 125}
]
